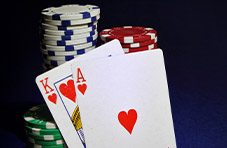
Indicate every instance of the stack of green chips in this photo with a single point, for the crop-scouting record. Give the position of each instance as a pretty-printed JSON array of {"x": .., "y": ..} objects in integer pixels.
[{"x": 41, "y": 130}]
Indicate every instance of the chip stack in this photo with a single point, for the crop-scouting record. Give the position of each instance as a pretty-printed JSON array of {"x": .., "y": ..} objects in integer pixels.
[
  {"x": 41, "y": 129},
  {"x": 133, "y": 39},
  {"x": 67, "y": 32}
]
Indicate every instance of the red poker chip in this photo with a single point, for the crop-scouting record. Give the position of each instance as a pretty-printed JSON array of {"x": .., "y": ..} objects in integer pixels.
[
  {"x": 155, "y": 46},
  {"x": 128, "y": 34},
  {"x": 149, "y": 47},
  {"x": 140, "y": 44}
]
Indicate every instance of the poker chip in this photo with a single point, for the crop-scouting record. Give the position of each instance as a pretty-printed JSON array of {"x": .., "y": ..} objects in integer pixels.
[
  {"x": 69, "y": 37},
  {"x": 40, "y": 117},
  {"x": 53, "y": 62},
  {"x": 130, "y": 50},
  {"x": 61, "y": 58},
  {"x": 155, "y": 46},
  {"x": 67, "y": 53},
  {"x": 67, "y": 32},
  {"x": 71, "y": 22},
  {"x": 70, "y": 42},
  {"x": 48, "y": 143},
  {"x": 32, "y": 145},
  {"x": 128, "y": 34},
  {"x": 132, "y": 38},
  {"x": 44, "y": 137},
  {"x": 39, "y": 131},
  {"x": 47, "y": 66},
  {"x": 140, "y": 44},
  {"x": 75, "y": 11},
  {"x": 73, "y": 27},
  {"x": 68, "y": 48},
  {"x": 68, "y": 57}
]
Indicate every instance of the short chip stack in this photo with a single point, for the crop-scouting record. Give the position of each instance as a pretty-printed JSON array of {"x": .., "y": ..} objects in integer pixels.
[
  {"x": 41, "y": 130},
  {"x": 67, "y": 32},
  {"x": 133, "y": 39}
]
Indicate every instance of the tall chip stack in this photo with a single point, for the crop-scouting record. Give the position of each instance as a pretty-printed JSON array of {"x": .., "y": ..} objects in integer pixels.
[
  {"x": 132, "y": 38},
  {"x": 67, "y": 32},
  {"x": 41, "y": 130}
]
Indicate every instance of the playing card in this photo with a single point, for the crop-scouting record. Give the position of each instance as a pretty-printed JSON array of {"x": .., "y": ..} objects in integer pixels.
[
  {"x": 124, "y": 101},
  {"x": 58, "y": 90}
]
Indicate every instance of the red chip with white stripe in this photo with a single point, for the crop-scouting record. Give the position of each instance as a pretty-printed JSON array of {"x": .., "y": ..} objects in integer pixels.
[
  {"x": 149, "y": 47},
  {"x": 140, "y": 44},
  {"x": 128, "y": 34}
]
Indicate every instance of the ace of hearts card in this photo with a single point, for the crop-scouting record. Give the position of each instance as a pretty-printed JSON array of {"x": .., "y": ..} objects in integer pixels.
[{"x": 124, "y": 101}]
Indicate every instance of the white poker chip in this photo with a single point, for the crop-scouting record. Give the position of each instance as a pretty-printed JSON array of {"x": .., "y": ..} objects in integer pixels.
[
  {"x": 47, "y": 67},
  {"x": 68, "y": 57},
  {"x": 70, "y": 42},
  {"x": 66, "y": 53},
  {"x": 69, "y": 12},
  {"x": 69, "y": 37},
  {"x": 61, "y": 58},
  {"x": 68, "y": 48},
  {"x": 74, "y": 27},
  {"x": 71, "y": 22},
  {"x": 69, "y": 32},
  {"x": 53, "y": 62}
]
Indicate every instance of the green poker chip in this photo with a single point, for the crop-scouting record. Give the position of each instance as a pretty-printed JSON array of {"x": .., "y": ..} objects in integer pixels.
[
  {"x": 44, "y": 137},
  {"x": 32, "y": 145},
  {"x": 40, "y": 117},
  {"x": 48, "y": 143},
  {"x": 39, "y": 131}
]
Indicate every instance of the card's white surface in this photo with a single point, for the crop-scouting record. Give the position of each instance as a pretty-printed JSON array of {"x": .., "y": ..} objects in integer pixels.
[
  {"x": 132, "y": 81},
  {"x": 64, "y": 107}
]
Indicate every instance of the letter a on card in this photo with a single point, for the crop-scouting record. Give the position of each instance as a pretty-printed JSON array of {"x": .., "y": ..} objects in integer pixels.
[{"x": 82, "y": 86}]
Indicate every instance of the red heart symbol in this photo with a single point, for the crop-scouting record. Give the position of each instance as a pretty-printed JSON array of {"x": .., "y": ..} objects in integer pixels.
[
  {"x": 53, "y": 98},
  {"x": 128, "y": 120},
  {"x": 82, "y": 88},
  {"x": 68, "y": 90}
]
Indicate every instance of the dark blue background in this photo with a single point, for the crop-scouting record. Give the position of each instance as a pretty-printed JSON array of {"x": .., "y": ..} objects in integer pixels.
[{"x": 192, "y": 35}]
